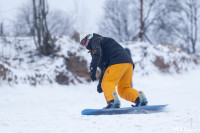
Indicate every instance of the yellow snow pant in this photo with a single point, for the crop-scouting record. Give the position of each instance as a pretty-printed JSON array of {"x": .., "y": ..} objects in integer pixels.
[{"x": 121, "y": 75}]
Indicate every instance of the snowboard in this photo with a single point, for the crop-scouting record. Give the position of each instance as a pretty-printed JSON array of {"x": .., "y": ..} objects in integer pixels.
[{"x": 127, "y": 110}]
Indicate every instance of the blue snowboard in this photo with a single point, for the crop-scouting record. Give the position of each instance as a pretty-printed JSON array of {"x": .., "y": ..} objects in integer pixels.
[{"x": 128, "y": 110}]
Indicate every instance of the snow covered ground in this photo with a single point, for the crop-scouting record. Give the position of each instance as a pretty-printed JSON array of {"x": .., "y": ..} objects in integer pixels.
[
  {"x": 52, "y": 108},
  {"x": 57, "y": 109}
]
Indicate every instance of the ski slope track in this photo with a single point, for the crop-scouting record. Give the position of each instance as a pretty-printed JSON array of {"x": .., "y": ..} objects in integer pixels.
[
  {"x": 57, "y": 109},
  {"x": 51, "y": 108}
]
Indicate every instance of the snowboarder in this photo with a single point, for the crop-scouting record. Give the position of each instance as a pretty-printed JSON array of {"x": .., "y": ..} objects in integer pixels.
[{"x": 116, "y": 69}]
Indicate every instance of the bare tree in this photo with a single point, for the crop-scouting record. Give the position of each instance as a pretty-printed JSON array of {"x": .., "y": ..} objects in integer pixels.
[
  {"x": 117, "y": 19},
  {"x": 23, "y": 24},
  {"x": 163, "y": 24},
  {"x": 178, "y": 24},
  {"x": 145, "y": 11},
  {"x": 141, "y": 21},
  {"x": 191, "y": 9},
  {"x": 1, "y": 29},
  {"x": 42, "y": 36},
  {"x": 59, "y": 23}
]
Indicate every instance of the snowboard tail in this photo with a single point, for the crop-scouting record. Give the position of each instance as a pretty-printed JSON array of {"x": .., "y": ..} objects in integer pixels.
[{"x": 128, "y": 110}]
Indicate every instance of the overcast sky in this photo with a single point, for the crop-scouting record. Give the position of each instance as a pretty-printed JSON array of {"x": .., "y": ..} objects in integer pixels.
[{"x": 89, "y": 10}]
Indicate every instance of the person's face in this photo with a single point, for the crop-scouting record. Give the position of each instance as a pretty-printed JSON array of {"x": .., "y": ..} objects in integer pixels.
[{"x": 85, "y": 44}]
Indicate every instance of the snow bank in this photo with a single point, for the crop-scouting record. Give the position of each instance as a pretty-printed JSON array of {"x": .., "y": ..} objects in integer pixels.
[
  {"x": 20, "y": 63},
  {"x": 151, "y": 59}
]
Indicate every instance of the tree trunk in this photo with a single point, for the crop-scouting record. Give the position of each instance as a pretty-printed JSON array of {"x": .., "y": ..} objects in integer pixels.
[
  {"x": 42, "y": 36},
  {"x": 1, "y": 29},
  {"x": 141, "y": 21}
]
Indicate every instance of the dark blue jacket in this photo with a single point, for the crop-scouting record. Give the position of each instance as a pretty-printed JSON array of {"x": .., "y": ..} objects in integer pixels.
[{"x": 106, "y": 52}]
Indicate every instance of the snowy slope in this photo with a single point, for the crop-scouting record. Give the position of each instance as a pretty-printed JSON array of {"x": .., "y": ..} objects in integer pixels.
[
  {"x": 24, "y": 65},
  {"x": 57, "y": 109},
  {"x": 151, "y": 59},
  {"x": 53, "y": 108}
]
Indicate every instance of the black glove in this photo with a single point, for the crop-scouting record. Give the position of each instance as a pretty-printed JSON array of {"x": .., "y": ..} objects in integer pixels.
[
  {"x": 99, "y": 89},
  {"x": 93, "y": 75}
]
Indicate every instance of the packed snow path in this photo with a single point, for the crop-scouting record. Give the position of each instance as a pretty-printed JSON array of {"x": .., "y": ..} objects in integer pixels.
[{"x": 57, "y": 109}]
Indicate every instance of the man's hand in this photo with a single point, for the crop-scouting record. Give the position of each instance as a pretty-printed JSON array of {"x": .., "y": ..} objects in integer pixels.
[
  {"x": 93, "y": 75},
  {"x": 99, "y": 89}
]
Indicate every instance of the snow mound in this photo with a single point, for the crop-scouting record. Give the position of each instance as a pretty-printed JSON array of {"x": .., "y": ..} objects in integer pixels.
[
  {"x": 161, "y": 58},
  {"x": 20, "y": 62}
]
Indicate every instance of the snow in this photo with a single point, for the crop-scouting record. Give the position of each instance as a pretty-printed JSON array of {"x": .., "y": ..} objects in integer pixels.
[
  {"x": 57, "y": 109},
  {"x": 52, "y": 108},
  {"x": 19, "y": 54},
  {"x": 24, "y": 62}
]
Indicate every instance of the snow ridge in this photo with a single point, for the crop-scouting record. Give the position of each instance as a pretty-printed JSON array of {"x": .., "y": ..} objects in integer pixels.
[{"x": 20, "y": 62}]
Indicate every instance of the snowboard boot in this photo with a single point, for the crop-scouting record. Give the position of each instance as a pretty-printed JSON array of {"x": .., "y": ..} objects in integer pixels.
[
  {"x": 113, "y": 103},
  {"x": 141, "y": 100}
]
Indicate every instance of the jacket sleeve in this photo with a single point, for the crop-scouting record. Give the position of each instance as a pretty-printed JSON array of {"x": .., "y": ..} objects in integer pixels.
[{"x": 96, "y": 54}]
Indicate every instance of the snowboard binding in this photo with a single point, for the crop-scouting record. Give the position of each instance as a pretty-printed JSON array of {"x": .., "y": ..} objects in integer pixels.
[
  {"x": 141, "y": 100},
  {"x": 113, "y": 103}
]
